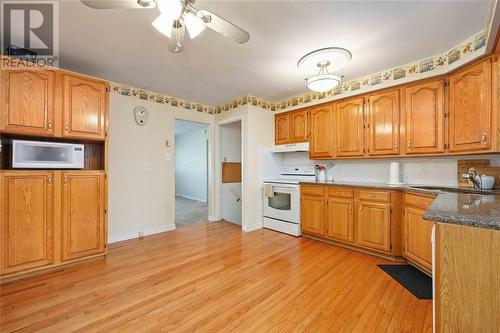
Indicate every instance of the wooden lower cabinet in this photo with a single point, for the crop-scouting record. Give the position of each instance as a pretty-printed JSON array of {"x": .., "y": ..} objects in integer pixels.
[
  {"x": 340, "y": 219},
  {"x": 82, "y": 214},
  {"x": 417, "y": 232},
  {"x": 374, "y": 226},
  {"x": 312, "y": 216},
  {"x": 49, "y": 217},
  {"x": 27, "y": 228}
]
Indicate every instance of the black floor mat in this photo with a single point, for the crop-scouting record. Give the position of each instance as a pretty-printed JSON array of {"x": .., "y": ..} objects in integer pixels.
[{"x": 411, "y": 278}]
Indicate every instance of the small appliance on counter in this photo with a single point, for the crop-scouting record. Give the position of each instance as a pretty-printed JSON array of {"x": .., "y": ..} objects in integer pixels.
[
  {"x": 47, "y": 155},
  {"x": 281, "y": 199}
]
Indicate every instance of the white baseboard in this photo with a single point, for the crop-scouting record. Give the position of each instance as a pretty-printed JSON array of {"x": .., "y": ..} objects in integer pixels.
[
  {"x": 146, "y": 232},
  {"x": 190, "y": 198},
  {"x": 212, "y": 219},
  {"x": 253, "y": 227}
]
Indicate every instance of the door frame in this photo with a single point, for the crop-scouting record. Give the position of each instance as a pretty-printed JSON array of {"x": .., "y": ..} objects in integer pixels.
[{"x": 218, "y": 171}]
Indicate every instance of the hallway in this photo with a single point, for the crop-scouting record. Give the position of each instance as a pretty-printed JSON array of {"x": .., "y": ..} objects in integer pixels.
[{"x": 188, "y": 212}]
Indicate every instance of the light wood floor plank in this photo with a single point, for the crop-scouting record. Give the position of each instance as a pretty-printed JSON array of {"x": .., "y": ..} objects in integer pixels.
[{"x": 212, "y": 277}]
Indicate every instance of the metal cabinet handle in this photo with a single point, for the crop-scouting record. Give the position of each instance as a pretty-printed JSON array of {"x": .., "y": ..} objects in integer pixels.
[
  {"x": 396, "y": 146},
  {"x": 350, "y": 207},
  {"x": 408, "y": 145},
  {"x": 484, "y": 138},
  {"x": 66, "y": 127},
  {"x": 49, "y": 180},
  {"x": 65, "y": 180},
  {"x": 49, "y": 124}
]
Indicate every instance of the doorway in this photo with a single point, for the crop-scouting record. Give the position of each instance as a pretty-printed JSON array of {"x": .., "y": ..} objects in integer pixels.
[
  {"x": 231, "y": 172},
  {"x": 191, "y": 172}
]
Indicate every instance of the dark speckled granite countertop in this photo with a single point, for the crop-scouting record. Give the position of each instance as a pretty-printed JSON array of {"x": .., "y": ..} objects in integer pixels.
[{"x": 475, "y": 210}]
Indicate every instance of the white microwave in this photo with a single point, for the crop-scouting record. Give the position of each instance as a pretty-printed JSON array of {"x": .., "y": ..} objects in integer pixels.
[{"x": 47, "y": 155}]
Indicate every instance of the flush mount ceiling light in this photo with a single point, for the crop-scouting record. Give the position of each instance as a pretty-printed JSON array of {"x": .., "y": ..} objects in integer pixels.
[
  {"x": 320, "y": 63},
  {"x": 177, "y": 16}
]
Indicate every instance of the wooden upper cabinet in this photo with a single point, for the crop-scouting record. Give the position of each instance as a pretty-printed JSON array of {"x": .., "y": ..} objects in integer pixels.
[
  {"x": 83, "y": 204},
  {"x": 374, "y": 226},
  {"x": 27, "y": 212},
  {"x": 417, "y": 238},
  {"x": 321, "y": 139},
  {"x": 470, "y": 114},
  {"x": 28, "y": 102},
  {"x": 383, "y": 123},
  {"x": 84, "y": 107},
  {"x": 349, "y": 119},
  {"x": 425, "y": 118},
  {"x": 339, "y": 219},
  {"x": 299, "y": 126},
  {"x": 282, "y": 128}
]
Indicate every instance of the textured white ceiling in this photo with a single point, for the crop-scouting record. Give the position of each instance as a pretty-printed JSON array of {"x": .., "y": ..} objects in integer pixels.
[{"x": 122, "y": 46}]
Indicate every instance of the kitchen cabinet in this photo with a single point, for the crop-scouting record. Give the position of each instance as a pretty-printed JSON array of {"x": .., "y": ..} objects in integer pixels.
[
  {"x": 383, "y": 123},
  {"x": 84, "y": 107},
  {"x": 340, "y": 219},
  {"x": 417, "y": 245},
  {"x": 83, "y": 205},
  {"x": 350, "y": 123},
  {"x": 424, "y": 120},
  {"x": 312, "y": 210},
  {"x": 299, "y": 126},
  {"x": 281, "y": 128},
  {"x": 321, "y": 139},
  {"x": 374, "y": 225},
  {"x": 28, "y": 102},
  {"x": 27, "y": 226},
  {"x": 470, "y": 109}
]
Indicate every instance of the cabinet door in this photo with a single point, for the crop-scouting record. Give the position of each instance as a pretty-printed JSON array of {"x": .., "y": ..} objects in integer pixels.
[
  {"x": 350, "y": 123},
  {"x": 27, "y": 231},
  {"x": 84, "y": 108},
  {"x": 312, "y": 214},
  {"x": 374, "y": 226},
  {"x": 339, "y": 219},
  {"x": 299, "y": 126},
  {"x": 83, "y": 205},
  {"x": 383, "y": 123},
  {"x": 470, "y": 109},
  {"x": 425, "y": 118},
  {"x": 321, "y": 140},
  {"x": 28, "y": 102},
  {"x": 417, "y": 238},
  {"x": 281, "y": 128}
]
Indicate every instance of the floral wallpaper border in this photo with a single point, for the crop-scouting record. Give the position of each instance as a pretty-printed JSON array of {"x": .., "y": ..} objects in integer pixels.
[{"x": 472, "y": 45}]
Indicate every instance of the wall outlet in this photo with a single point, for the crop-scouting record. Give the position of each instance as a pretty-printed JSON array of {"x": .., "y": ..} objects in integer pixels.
[{"x": 147, "y": 166}]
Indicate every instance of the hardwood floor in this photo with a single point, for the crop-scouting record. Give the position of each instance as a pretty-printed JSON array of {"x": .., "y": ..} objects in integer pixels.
[{"x": 212, "y": 277}]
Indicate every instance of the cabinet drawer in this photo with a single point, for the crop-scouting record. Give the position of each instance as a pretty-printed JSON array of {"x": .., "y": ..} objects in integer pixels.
[
  {"x": 375, "y": 195},
  {"x": 418, "y": 200},
  {"x": 312, "y": 190},
  {"x": 340, "y": 192}
]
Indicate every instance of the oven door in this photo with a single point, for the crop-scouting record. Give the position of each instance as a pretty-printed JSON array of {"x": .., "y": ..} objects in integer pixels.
[{"x": 282, "y": 202}]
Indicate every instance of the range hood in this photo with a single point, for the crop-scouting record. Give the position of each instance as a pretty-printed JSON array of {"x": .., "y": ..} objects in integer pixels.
[{"x": 291, "y": 147}]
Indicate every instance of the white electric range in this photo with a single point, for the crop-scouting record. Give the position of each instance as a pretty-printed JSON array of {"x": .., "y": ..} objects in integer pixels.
[{"x": 281, "y": 199}]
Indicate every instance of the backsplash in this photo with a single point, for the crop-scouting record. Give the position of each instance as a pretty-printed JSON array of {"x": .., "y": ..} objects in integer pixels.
[{"x": 429, "y": 171}]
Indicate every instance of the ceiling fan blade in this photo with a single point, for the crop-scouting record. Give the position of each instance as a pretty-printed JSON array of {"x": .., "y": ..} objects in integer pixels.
[
  {"x": 222, "y": 26},
  {"x": 176, "y": 40},
  {"x": 119, "y": 4}
]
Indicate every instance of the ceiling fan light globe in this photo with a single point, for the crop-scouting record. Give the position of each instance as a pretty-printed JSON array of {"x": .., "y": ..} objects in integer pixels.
[
  {"x": 194, "y": 25},
  {"x": 171, "y": 8},
  {"x": 164, "y": 24},
  {"x": 323, "y": 82}
]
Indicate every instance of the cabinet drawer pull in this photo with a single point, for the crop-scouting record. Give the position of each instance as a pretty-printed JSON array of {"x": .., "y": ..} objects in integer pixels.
[
  {"x": 66, "y": 127},
  {"x": 484, "y": 138},
  {"x": 49, "y": 124},
  {"x": 49, "y": 180}
]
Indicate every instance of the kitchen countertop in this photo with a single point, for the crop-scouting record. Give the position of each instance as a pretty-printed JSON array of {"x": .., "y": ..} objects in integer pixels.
[{"x": 452, "y": 204}]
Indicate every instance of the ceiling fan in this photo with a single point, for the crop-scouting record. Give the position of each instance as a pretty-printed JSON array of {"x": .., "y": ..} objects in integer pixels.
[{"x": 177, "y": 16}]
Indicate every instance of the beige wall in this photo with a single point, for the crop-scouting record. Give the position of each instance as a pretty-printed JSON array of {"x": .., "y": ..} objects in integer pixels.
[{"x": 142, "y": 200}]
